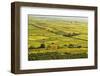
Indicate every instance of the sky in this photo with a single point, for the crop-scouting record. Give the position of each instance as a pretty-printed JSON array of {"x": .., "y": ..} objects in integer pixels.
[{"x": 70, "y": 18}]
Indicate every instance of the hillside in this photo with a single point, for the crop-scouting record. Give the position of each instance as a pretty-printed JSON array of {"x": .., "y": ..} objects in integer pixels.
[{"x": 69, "y": 35}]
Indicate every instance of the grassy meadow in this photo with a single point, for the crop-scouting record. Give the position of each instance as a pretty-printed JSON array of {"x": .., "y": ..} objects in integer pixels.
[{"x": 57, "y": 37}]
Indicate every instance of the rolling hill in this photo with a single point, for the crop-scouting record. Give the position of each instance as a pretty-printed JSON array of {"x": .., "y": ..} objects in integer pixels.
[{"x": 68, "y": 35}]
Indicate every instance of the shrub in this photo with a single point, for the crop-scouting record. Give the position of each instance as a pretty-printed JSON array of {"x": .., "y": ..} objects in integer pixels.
[
  {"x": 70, "y": 46},
  {"x": 79, "y": 46},
  {"x": 42, "y": 46},
  {"x": 31, "y": 47}
]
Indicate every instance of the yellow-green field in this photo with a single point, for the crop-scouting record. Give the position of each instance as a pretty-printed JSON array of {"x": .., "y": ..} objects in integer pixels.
[{"x": 55, "y": 37}]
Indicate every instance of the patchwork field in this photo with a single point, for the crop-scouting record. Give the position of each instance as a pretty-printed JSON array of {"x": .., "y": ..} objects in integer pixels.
[{"x": 54, "y": 37}]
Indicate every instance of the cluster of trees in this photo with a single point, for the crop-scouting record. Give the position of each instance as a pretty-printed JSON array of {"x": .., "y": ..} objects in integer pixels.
[
  {"x": 74, "y": 46},
  {"x": 71, "y": 34},
  {"x": 41, "y": 46},
  {"x": 55, "y": 46}
]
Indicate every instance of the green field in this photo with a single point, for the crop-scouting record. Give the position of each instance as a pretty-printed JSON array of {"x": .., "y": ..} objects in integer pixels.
[{"x": 56, "y": 37}]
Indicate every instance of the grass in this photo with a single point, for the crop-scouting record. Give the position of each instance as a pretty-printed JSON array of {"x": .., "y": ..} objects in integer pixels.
[{"x": 62, "y": 38}]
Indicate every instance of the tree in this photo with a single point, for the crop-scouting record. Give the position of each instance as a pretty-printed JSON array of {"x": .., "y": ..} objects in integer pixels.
[{"x": 42, "y": 45}]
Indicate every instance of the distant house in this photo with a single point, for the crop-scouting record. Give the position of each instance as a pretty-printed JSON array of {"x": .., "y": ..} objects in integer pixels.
[{"x": 52, "y": 46}]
